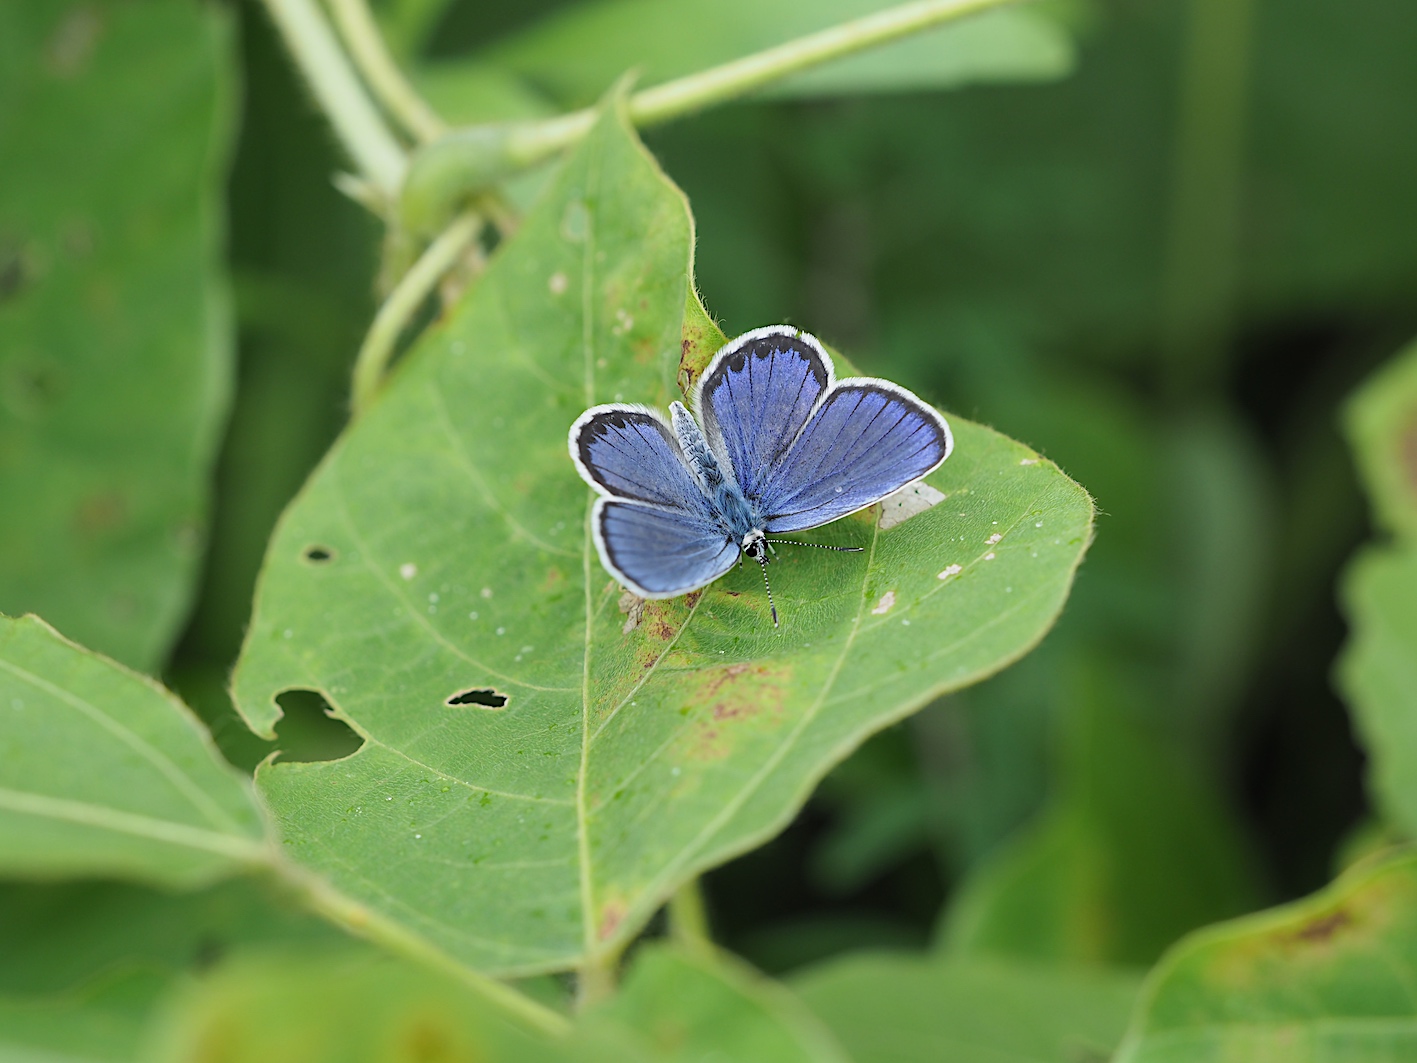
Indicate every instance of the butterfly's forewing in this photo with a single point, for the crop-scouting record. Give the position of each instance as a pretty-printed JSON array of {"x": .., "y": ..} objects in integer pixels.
[
  {"x": 867, "y": 440},
  {"x": 756, "y": 395},
  {"x": 660, "y": 553},
  {"x": 628, "y": 452}
]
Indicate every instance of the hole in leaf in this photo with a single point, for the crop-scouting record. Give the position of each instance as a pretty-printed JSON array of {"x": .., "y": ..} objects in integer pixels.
[
  {"x": 317, "y": 554},
  {"x": 483, "y": 696},
  {"x": 308, "y": 731}
]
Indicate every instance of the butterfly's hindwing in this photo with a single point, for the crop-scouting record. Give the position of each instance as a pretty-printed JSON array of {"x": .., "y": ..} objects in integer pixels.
[
  {"x": 660, "y": 553},
  {"x": 868, "y": 439}
]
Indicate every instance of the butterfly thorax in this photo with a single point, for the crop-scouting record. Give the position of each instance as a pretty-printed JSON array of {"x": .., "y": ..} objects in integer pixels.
[{"x": 734, "y": 510}]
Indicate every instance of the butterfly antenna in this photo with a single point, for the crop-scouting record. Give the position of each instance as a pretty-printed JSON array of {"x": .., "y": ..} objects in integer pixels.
[
  {"x": 764, "y": 562},
  {"x": 819, "y": 546}
]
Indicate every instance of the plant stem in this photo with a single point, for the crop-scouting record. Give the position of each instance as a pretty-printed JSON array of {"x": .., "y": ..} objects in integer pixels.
[
  {"x": 403, "y": 302},
  {"x": 741, "y": 76},
  {"x": 366, "y": 44},
  {"x": 321, "y": 898},
  {"x": 595, "y": 979},
  {"x": 688, "y": 919},
  {"x": 1202, "y": 243},
  {"x": 448, "y": 170},
  {"x": 356, "y": 120}
]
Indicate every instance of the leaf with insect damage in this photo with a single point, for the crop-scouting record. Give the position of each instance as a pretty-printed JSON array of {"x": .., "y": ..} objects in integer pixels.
[{"x": 440, "y": 561}]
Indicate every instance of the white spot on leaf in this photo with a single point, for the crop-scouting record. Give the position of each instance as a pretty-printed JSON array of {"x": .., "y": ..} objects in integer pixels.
[
  {"x": 993, "y": 538},
  {"x": 950, "y": 570},
  {"x": 557, "y": 283},
  {"x": 884, "y": 605},
  {"x": 906, "y": 503},
  {"x": 408, "y": 570}
]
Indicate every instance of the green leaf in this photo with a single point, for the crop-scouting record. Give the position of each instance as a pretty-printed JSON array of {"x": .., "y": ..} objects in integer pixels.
[
  {"x": 678, "y": 1006},
  {"x": 898, "y": 1008},
  {"x": 1378, "y": 674},
  {"x": 104, "y": 772},
  {"x": 115, "y": 339},
  {"x": 1328, "y": 978},
  {"x": 456, "y": 557},
  {"x": 1381, "y": 420},
  {"x": 83, "y": 964},
  {"x": 576, "y": 53},
  {"x": 352, "y": 1005},
  {"x": 1133, "y": 853}
]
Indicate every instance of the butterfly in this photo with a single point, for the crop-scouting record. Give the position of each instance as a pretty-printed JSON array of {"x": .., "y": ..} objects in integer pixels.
[{"x": 778, "y": 445}]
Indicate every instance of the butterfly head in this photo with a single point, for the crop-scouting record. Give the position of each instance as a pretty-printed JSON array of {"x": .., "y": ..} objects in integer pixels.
[{"x": 755, "y": 545}]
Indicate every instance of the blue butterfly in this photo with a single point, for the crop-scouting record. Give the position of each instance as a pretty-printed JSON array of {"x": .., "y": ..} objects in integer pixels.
[{"x": 780, "y": 445}]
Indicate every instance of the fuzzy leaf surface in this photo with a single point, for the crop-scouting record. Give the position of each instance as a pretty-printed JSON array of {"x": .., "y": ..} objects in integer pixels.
[
  {"x": 440, "y": 561},
  {"x": 115, "y": 334}
]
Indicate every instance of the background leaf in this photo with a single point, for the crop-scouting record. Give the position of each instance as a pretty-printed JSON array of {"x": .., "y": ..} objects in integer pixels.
[
  {"x": 352, "y": 1005},
  {"x": 681, "y": 1006},
  {"x": 1327, "y": 978},
  {"x": 1130, "y": 855},
  {"x": 83, "y": 965},
  {"x": 895, "y": 1008},
  {"x": 104, "y": 772},
  {"x": 1378, "y": 675},
  {"x": 115, "y": 333},
  {"x": 452, "y": 568},
  {"x": 1381, "y": 421},
  {"x": 576, "y": 52}
]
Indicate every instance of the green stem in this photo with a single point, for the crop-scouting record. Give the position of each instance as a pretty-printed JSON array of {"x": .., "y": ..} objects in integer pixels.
[
  {"x": 595, "y": 978},
  {"x": 356, "y": 120},
  {"x": 1201, "y": 273},
  {"x": 366, "y": 45},
  {"x": 688, "y": 918},
  {"x": 403, "y": 302},
  {"x": 361, "y": 921},
  {"x": 447, "y": 171}
]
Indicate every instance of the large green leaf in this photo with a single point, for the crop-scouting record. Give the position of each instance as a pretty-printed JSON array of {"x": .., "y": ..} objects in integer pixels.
[
  {"x": 682, "y": 1006},
  {"x": 576, "y": 53},
  {"x": 104, "y": 772},
  {"x": 1329, "y": 978},
  {"x": 114, "y": 331},
  {"x": 899, "y": 1008},
  {"x": 443, "y": 548}
]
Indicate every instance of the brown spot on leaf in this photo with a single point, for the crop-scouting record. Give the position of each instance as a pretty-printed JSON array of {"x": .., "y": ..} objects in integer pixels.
[
  {"x": 1323, "y": 928},
  {"x": 735, "y": 696},
  {"x": 554, "y": 578},
  {"x": 611, "y": 916},
  {"x": 692, "y": 598}
]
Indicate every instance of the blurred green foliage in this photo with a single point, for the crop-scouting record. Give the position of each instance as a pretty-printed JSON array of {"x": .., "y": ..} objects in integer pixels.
[{"x": 1171, "y": 756}]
